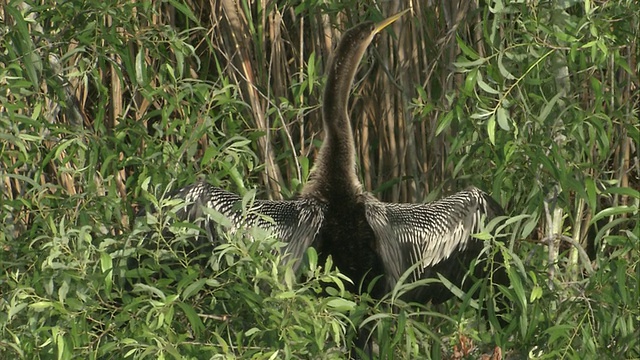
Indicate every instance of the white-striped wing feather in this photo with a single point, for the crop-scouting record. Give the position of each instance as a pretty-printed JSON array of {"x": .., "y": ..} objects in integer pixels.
[
  {"x": 296, "y": 222},
  {"x": 427, "y": 234}
]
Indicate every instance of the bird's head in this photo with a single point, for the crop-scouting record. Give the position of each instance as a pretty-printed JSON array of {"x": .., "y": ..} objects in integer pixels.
[{"x": 360, "y": 36}]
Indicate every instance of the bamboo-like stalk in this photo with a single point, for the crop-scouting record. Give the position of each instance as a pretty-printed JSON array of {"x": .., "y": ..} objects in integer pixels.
[
  {"x": 573, "y": 268},
  {"x": 554, "y": 221},
  {"x": 240, "y": 44}
]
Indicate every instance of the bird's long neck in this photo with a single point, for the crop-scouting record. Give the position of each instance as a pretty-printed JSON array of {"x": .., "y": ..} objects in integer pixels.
[{"x": 334, "y": 172}]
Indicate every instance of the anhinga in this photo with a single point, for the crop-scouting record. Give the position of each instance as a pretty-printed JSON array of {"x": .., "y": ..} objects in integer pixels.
[{"x": 365, "y": 237}]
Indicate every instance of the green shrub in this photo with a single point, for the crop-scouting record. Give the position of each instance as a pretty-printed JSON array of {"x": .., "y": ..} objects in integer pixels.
[{"x": 105, "y": 106}]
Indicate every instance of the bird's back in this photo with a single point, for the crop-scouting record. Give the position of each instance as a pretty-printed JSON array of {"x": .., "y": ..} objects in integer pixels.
[{"x": 348, "y": 238}]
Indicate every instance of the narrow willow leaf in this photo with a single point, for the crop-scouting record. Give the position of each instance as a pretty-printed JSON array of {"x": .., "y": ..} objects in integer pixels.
[
  {"x": 312, "y": 257},
  {"x": 63, "y": 145},
  {"x": 311, "y": 71},
  {"x": 621, "y": 281},
  {"x": 590, "y": 187},
  {"x": 466, "y": 50},
  {"x": 24, "y": 43},
  {"x": 588, "y": 44},
  {"x": 484, "y": 86},
  {"x": 105, "y": 262},
  {"x": 485, "y": 235},
  {"x": 503, "y": 118},
  {"x": 289, "y": 277},
  {"x": 470, "y": 81},
  {"x": 612, "y": 211},
  {"x": 248, "y": 199},
  {"x": 453, "y": 288},
  {"x": 140, "y": 68},
  {"x": 375, "y": 318},
  {"x": 529, "y": 226},
  {"x": 516, "y": 283},
  {"x": 468, "y": 64},
  {"x": 491, "y": 129},
  {"x": 341, "y": 304},
  {"x": 444, "y": 123},
  {"x": 209, "y": 154},
  {"x": 58, "y": 338},
  {"x": 179, "y": 63},
  {"x": 40, "y": 305},
  {"x": 482, "y": 114},
  {"x": 558, "y": 332},
  {"x": 512, "y": 219},
  {"x": 503, "y": 70},
  {"x": 633, "y": 193},
  {"x": 185, "y": 10},
  {"x": 150, "y": 289},
  {"x": 546, "y": 110},
  {"x": 536, "y": 293},
  {"x": 37, "y": 110},
  {"x": 193, "y": 288},
  {"x": 603, "y": 48},
  {"x": 15, "y": 309},
  {"x": 609, "y": 239},
  {"x": 286, "y": 295}
]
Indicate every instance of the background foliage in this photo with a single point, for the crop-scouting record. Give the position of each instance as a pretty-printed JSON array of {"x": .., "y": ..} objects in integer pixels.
[{"x": 106, "y": 105}]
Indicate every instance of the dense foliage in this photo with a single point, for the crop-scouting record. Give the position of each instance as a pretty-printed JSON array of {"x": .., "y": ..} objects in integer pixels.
[{"x": 106, "y": 106}]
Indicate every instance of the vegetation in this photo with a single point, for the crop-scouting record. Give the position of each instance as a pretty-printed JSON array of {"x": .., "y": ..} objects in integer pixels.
[{"x": 105, "y": 106}]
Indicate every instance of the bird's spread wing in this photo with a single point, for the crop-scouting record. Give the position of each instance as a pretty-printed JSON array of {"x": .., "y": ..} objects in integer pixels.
[
  {"x": 431, "y": 235},
  {"x": 296, "y": 222}
]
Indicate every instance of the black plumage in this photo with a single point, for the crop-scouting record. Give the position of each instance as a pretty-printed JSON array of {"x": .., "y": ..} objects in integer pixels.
[{"x": 366, "y": 238}]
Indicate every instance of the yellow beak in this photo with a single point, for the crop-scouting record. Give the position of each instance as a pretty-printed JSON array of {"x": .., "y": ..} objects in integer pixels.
[{"x": 388, "y": 21}]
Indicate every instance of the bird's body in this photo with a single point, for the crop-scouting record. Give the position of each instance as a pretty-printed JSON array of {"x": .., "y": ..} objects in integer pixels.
[
  {"x": 366, "y": 238},
  {"x": 347, "y": 236}
]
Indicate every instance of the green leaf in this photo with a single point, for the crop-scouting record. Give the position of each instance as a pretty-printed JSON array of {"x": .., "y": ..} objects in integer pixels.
[
  {"x": 516, "y": 283},
  {"x": 444, "y": 123},
  {"x": 40, "y": 305},
  {"x": 536, "y": 293},
  {"x": 503, "y": 70},
  {"x": 149, "y": 289},
  {"x": 621, "y": 281},
  {"x": 613, "y": 211},
  {"x": 466, "y": 50},
  {"x": 470, "y": 81},
  {"x": 106, "y": 263},
  {"x": 341, "y": 304},
  {"x": 529, "y": 226},
  {"x": 468, "y": 64},
  {"x": 140, "y": 68},
  {"x": 503, "y": 118},
  {"x": 556, "y": 332},
  {"x": 185, "y": 10},
  {"x": 311, "y": 71},
  {"x": 194, "y": 320},
  {"x": 193, "y": 288},
  {"x": 632, "y": 193},
  {"x": 546, "y": 110},
  {"x": 485, "y": 87},
  {"x": 456, "y": 291},
  {"x": 590, "y": 187},
  {"x": 253, "y": 330},
  {"x": 491, "y": 129},
  {"x": 286, "y": 295},
  {"x": 14, "y": 310},
  {"x": 312, "y": 257}
]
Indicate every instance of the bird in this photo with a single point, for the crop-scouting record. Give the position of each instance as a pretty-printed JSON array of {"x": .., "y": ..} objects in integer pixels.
[{"x": 369, "y": 241}]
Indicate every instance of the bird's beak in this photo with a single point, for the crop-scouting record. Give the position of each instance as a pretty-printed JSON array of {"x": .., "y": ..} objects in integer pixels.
[{"x": 388, "y": 21}]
